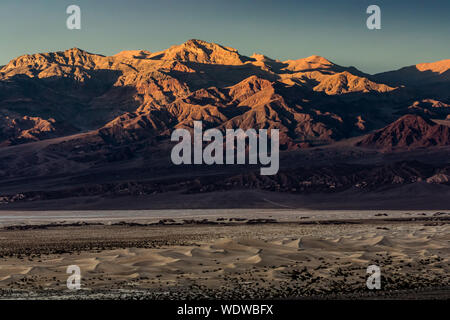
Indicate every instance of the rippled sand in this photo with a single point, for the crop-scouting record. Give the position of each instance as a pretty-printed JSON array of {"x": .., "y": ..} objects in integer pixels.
[{"x": 274, "y": 260}]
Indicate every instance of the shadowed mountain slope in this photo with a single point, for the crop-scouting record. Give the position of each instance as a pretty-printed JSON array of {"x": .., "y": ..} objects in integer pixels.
[{"x": 410, "y": 131}]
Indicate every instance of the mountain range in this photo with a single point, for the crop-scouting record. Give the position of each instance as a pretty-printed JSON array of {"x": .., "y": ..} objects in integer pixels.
[{"x": 74, "y": 119}]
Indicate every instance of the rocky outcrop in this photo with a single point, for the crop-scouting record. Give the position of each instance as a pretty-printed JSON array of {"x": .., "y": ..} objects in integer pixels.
[
  {"x": 409, "y": 131},
  {"x": 26, "y": 129}
]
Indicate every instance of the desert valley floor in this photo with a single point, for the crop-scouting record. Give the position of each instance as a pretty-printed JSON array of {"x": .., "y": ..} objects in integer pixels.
[{"x": 249, "y": 254}]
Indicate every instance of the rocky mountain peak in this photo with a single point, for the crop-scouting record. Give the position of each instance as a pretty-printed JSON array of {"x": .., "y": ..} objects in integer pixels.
[{"x": 201, "y": 52}]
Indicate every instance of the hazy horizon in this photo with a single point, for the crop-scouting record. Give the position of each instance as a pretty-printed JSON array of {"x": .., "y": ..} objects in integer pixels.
[{"x": 285, "y": 30}]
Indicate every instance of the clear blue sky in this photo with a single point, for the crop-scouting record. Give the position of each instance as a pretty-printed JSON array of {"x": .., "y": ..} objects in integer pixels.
[{"x": 412, "y": 31}]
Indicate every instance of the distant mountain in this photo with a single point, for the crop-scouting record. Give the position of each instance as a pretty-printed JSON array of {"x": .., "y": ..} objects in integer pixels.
[
  {"x": 427, "y": 79},
  {"x": 76, "y": 125},
  {"x": 433, "y": 108},
  {"x": 139, "y": 95},
  {"x": 201, "y": 52},
  {"x": 28, "y": 129},
  {"x": 420, "y": 74},
  {"x": 410, "y": 131}
]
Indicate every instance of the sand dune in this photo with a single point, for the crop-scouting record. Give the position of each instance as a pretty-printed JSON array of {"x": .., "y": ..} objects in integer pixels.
[{"x": 314, "y": 259}]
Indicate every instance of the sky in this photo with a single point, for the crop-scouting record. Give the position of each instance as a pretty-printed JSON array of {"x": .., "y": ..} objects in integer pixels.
[{"x": 412, "y": 31}]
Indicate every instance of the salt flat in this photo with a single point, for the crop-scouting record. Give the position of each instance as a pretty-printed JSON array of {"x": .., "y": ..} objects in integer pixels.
[{"x": 149, "y": 216}]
